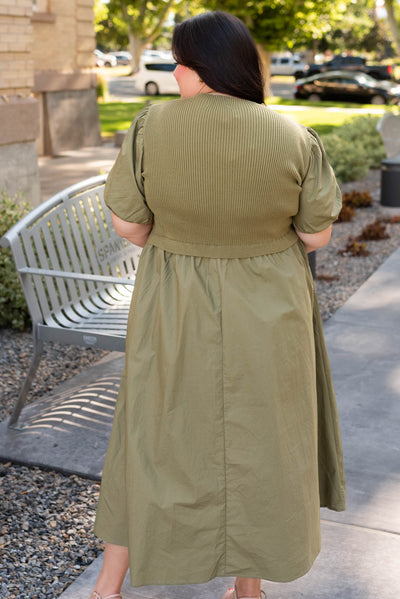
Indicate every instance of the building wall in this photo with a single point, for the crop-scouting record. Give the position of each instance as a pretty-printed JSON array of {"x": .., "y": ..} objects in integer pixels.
[
  {"x": 16, "y": 61},
  {"x": 46, "y": 76},
  {"x": 63, "y": 44},
  {"x": 19, "y": 112},
  {"x": 63, "y": 36}
]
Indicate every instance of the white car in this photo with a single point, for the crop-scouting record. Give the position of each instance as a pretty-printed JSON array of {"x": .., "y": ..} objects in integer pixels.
[
  {"x": 156, "y": 77},
  {"x": 157, "y": 54},
  {"x": 287, "y": 65},
  {"x": 105, "y": 60},
  {"x": 122, "y": 57}
]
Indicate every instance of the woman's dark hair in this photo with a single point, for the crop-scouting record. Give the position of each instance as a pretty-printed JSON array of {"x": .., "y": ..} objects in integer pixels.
[{"x": 219, "y": 47}]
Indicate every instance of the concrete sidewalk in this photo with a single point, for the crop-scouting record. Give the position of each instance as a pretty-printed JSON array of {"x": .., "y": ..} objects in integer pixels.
[{"x": 57, "y": 173}]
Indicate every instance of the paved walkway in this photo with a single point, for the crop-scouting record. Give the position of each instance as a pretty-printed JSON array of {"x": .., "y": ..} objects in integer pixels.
[
  {"x": 74, "y": 166},
  {"x": 360, "y": 557}
]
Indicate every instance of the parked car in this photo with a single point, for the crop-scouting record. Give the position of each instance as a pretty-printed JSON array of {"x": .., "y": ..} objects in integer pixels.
[
  {"x": 104, "y": 60},
  {"x": 348, "y": 87},
  {"x": 156, "y": 54},
  {"x": 351, "y": 63},
  {"x": 286, "y": 65},
  {"x": 156, "y": 77},
  {"x": 122, "y": 57}
]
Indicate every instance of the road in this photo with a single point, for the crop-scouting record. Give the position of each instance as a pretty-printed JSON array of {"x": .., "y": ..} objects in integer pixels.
[
  {"x": 124, "y": 88},
  {"x": 282, "y": 89}
]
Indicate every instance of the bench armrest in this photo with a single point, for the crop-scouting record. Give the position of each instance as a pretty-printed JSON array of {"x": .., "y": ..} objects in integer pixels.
[{"x": 75, "y": 275}]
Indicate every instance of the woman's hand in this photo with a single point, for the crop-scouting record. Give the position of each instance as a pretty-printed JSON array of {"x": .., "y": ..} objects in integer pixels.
[
  {"x": 314, "y": 241},
  {"x": 133, "y": 232}
]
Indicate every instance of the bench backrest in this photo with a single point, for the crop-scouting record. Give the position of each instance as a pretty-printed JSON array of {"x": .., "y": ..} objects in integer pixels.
[{"x": 70, "y": 232}]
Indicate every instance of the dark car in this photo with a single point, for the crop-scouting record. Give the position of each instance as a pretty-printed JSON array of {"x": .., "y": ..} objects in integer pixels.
[
  {"x": 348, "y": 63},
  {"x": 344, "y": 86}
]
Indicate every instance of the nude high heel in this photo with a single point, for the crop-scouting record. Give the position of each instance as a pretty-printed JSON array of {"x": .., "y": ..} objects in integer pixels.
[
  {"x": 232, "y": 594},
  {"x": 95, "y": 595}
]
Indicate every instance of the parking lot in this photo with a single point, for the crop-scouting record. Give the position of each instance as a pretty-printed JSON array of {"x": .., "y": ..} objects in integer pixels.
[{"x": 124, "y": 87}]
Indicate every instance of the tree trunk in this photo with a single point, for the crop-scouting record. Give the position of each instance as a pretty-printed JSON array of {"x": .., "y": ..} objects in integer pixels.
[
  {"x": 136, "y": 47},
  {"x": 394, "y": 29},
  {"x": 266, "y": 62}
]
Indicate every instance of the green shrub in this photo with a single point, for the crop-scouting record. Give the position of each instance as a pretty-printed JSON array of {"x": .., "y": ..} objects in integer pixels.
[
  {"x": 363, "y": 128},
  {"x": 101, "y": 88},
  {"x": 347, "y": 158},
  {"x": 354, "y": 148},
  {"x": 13, "y": 310}
]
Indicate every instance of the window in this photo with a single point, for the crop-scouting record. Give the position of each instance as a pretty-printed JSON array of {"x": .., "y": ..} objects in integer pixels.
[
  {"x": 160, "y": 66},
  {"x": 41, "y": 11},
  {"x": 41, "y": 5}
]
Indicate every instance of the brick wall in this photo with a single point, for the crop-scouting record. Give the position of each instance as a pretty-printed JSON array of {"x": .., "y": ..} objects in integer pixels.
[
  {"x": 19, "y": 112},
  {"x": 46, "y": 51},
  {"x": 64, "y": 37},
  {"x": 16, "y": 35},
  {"x": 63, "y": 44}
]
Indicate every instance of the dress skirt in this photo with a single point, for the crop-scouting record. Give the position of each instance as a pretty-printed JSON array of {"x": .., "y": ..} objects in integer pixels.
[{"x": 225, "y": 440}]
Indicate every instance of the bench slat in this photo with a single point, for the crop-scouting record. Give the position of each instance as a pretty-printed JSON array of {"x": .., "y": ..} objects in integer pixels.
[
  {"x": 80, "y": 260},
  {"x": 76, "y": 275},
  {"x": 40, "y": 293},
  {"x": 54, "y": 263},
  {"x": 52, "y": 303},
  {"x": 80, "y": 205},
  {"x": 72, "y": 260},
  {"x": 61, "y": 249}
]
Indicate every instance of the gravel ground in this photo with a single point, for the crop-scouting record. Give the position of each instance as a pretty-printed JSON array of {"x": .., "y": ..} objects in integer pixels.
[
  {"x": 350, "y": 272},
  {"x": 46, "y": 537}
]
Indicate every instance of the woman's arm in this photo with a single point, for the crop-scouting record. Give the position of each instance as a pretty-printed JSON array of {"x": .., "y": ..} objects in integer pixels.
[
  {"x": 314, "y": 241},
  {"x": 133, "y": 232}
]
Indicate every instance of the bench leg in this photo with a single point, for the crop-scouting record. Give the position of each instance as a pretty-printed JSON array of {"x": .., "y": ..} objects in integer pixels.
[{"x": 37, "y": 354}]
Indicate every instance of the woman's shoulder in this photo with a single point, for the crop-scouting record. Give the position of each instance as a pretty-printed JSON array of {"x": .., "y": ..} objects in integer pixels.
[
  {"x": 206, "y": 108},
  {"x": 286, "y": 123}
]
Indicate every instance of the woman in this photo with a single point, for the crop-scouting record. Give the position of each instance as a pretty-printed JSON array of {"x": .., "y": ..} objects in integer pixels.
[{"x": 225, "y": 439}]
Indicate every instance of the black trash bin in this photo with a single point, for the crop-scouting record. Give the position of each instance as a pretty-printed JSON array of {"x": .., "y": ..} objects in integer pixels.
[
  {"x": 312, "y": 260},
  {"x": 390, "y": 181}
]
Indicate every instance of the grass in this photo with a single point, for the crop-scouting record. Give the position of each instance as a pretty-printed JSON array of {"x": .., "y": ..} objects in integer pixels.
[
  {"x": 324, "y": 117},
  {"x": 115, "y": 116}
]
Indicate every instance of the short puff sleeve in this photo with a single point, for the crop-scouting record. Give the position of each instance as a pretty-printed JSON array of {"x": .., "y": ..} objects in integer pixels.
[
  {"x": 320, "y": 198},
  {"x": 124, "y": 189}
]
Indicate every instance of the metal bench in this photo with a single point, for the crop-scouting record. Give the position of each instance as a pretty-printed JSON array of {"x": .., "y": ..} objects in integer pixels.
[{"x": 76, "y": 273}]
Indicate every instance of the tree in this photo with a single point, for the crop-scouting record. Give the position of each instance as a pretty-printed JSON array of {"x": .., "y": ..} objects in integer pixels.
[
  {"x": 393, "y": 24},
  {"x": 276, "y": 24},
  {"x": 360, "y": 30},
  {"x": 136, "y": 22},
  {"x": 111, "y": 30}
]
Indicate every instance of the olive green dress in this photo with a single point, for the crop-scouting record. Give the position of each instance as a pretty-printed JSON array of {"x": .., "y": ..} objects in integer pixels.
[{"x": 225, "y": 440}]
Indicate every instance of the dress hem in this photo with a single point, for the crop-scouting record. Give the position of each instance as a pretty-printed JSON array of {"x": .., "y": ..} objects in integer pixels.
[{"x": 202, "y": 579}]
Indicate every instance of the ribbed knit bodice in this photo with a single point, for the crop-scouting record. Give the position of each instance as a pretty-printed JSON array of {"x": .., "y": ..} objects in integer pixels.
[
  {"x": 222, "y": 174},
  {"x": 222, "y": 177}
]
